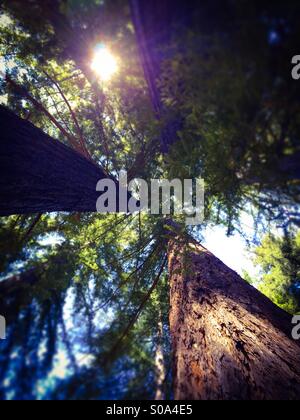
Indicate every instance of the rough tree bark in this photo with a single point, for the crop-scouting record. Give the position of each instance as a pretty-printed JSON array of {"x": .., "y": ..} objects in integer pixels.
[
  {"x": 229, "y": 341},
  {"x": 39, "y": 174}
]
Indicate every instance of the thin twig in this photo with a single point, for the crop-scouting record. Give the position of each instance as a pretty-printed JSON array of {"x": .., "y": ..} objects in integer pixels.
[
  {"x": 74, "y": 118},
  {"x": 139, "y": 310},
  {"x": 41, "y": 108}
]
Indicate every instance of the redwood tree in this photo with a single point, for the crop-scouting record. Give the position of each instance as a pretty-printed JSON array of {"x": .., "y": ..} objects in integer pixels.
[
  {"x": 229, "y": 341},
  {"x": 38, "y": 174}
]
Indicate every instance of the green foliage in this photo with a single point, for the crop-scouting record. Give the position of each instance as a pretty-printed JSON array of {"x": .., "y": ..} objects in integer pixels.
[
  {"x": 238, "y": 106},
  {"x": 116, "y": 123},
  {"x": 279, "y": 259},
  {"x": 100, "y": 267},
  {"x": 96, "y": 272}
]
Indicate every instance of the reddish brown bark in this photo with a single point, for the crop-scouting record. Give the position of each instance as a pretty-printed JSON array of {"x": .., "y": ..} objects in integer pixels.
[{"x": 229, "y": 341}]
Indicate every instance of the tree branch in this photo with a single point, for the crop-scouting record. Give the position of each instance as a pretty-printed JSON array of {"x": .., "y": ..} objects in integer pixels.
[
  {"x": 140, "y": 308},
  {"x": 23, "y": 92},
  {"x": 74, "y": 118}
]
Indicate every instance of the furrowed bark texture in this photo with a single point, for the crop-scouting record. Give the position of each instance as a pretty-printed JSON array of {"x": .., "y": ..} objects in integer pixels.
[
  {"x": 229, "y": 341},
  {"x": 39, "y": 174}
]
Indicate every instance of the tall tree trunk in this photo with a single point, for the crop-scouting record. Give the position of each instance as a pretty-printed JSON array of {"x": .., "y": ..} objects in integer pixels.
[
  {"x": 17, "y": 282},
  {"x": 289, "y": 166},
  {"x": 155, "y": 24},
  {"x": 39, "y": 174},
  {"x": 160, "y": 363},
  {"x": 14, "y": 293},
  {"x": 229, "y": 341}
]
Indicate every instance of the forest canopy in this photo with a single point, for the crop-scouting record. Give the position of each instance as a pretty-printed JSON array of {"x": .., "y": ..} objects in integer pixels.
[{"x": 162, "y": 89}]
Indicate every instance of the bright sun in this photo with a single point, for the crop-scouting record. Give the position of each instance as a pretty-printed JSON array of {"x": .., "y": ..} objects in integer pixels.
[{"x": 104, "y": 64}]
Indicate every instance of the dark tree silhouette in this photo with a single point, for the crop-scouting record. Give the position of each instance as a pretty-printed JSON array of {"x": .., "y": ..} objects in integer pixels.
[{"x": 39, "y": 174}]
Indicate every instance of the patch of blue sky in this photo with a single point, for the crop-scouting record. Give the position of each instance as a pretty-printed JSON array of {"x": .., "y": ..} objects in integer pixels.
[{"x": 234, "y": 251}]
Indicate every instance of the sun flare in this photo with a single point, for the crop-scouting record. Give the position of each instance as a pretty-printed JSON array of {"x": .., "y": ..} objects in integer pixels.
[{"x": 104, "y": 64}]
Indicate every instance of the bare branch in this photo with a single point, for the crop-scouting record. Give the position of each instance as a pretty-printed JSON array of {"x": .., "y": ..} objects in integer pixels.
[
  {"x": 74, "y": 118},
  {"x": 22, "y": 91}
]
